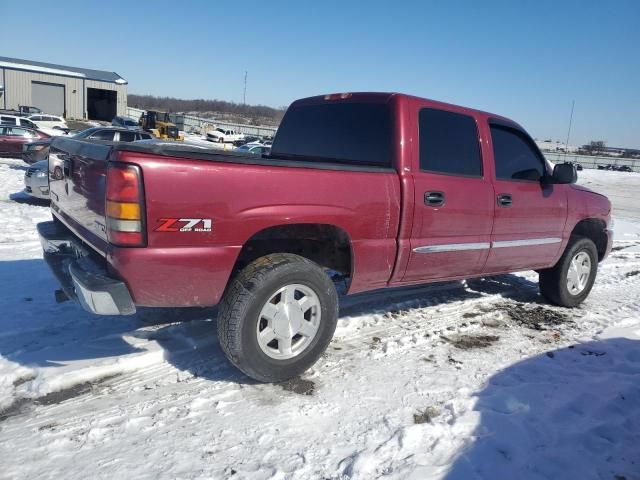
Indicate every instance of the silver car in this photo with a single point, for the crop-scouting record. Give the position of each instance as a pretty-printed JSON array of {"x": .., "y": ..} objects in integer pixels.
[{"x": 36, "y": 181}]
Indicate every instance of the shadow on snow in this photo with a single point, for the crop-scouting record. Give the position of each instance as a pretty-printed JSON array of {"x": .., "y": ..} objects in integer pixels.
[
  {"x": 37, "y": 332},
  {"x": 571, "y": 413}
]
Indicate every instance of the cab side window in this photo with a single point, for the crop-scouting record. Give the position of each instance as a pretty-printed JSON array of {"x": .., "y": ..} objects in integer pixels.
[
  {"x": 449, "y": 143},
  {"x": 515, "y": 157}
]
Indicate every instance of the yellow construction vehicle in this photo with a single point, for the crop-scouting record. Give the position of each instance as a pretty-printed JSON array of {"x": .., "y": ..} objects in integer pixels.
[{"x": 160, "y": 125}]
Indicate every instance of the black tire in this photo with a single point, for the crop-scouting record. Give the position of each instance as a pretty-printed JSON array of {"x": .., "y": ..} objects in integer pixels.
[
  {"x": 242, "y": 303},
  {"x": 553, "y": 281}
]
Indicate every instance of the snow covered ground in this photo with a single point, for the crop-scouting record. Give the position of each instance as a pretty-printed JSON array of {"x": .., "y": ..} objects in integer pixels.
[{"x": 462, "y": 380}]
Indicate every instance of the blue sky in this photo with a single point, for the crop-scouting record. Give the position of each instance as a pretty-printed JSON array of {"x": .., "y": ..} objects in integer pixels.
[{"x": 524, "y": 59}]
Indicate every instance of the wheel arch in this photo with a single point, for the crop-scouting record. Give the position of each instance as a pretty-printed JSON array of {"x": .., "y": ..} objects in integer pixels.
[
  {"x": 595, "y": 230},
  {"x": 327, "y": 245}
]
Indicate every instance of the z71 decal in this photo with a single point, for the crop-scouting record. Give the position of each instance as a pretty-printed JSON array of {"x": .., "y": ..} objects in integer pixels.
[{"x": 184, "y": 225}]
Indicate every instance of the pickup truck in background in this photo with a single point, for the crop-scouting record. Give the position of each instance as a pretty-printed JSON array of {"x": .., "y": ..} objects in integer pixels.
[
  {"x": 23, "y": 111},
  {"x": 375, "y": 189},
  {"x": 222, "y": 135}
]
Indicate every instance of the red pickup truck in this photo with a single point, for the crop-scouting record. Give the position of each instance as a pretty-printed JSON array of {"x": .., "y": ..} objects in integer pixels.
[{"x": 372, "y": 189}]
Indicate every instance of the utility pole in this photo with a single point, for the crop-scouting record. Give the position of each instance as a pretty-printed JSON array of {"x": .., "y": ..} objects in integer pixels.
[
  {"x": 244, "y": 95},
  {"x": 566, "y": 146}
]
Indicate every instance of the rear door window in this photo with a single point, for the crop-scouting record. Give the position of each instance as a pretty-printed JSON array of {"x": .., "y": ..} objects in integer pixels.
[
  {"x": 449, "y": 143},
  {"x": 515, "y": 156},
  {"x": 339, "y": 132}
]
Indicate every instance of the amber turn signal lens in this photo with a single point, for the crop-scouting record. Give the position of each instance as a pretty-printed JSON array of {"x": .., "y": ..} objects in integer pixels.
[{"x": 123, "y": 211}]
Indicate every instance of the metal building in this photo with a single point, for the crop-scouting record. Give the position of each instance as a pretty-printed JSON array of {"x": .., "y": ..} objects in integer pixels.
[{"x": 72, "y": 92}]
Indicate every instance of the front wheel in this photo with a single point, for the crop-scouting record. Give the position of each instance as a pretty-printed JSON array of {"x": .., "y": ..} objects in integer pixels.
[
  {"x": 277, "y": 317},
  {"x": 569, "y": 282}
]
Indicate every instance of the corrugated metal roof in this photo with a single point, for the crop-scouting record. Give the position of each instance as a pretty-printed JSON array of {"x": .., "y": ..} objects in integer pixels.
[{"x": 53, "y": 69}]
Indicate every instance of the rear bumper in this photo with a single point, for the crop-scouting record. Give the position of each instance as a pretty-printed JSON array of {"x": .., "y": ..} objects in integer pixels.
[{"x": 81, "y": 277}]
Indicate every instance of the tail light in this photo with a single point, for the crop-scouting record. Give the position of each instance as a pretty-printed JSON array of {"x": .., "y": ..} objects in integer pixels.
[{"x": 125, "y": 206}]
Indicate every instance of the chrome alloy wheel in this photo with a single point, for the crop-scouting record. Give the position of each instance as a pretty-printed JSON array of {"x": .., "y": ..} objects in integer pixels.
[
  {"x": 579, "y": 272},
  {"x": 288, "y": 321}
]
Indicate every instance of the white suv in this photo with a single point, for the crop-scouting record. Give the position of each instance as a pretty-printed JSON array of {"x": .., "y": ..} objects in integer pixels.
[
  {"x": 49, "y": 122},
  {"x": 17, "y": 121}
]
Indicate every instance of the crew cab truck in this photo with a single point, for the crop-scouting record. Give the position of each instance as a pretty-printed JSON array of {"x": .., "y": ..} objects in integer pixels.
[{"x": 378, "y": 190}]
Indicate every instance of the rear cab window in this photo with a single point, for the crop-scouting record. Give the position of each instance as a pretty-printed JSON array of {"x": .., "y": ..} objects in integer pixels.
[{"x": 356, "y": 133}]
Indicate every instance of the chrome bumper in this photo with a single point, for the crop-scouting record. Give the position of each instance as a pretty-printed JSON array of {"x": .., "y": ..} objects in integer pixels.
[{"x": 81, "y": 277}]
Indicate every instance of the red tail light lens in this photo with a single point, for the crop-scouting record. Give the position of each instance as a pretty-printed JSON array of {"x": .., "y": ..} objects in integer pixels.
[{"x": 125, "y": 206}]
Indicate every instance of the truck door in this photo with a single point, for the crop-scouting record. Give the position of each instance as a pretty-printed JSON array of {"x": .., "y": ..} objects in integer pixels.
[
  {"x": 454, "y": 206},
  {"x": 530, "y": 216}
]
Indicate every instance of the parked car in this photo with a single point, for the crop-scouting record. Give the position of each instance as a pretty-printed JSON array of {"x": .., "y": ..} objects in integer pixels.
[
  {"x": 13, "y": 138},
  {"x": 254, "y": 149},
  {"x": 36, "y": 184},
  {"x": 35, "y": 151},
  {"x": 18, "y": 121},
  {"x": 246, "y": 140},
  {"x": 125, "y": 122},
  {"x": 113, "y": 134},
  {"x": 49, "y": 121},
  {"x": 222, "y": 135},
  {"x": 615, "y": 168},
  {"x": 340, "y": 199},
  {"x": 36, "y": 181},
  {"x": 25, "y": 122}
]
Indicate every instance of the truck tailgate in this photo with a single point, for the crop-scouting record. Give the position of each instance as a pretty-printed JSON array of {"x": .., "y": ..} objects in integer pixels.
[{"x": 77, "y": 178}]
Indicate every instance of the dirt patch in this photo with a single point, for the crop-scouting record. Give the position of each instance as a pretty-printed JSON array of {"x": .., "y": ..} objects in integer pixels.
[
  {"x": 536, "y": 318},
  {"x": 617, "y": 248},
  {"x": 633, "y": 273},
  {"x": 426, "y": 415},
  {"x": 19, "y": 381},
  {"x": 299, "y": 386},
  {"x": 471, "y": 314},
  {"x": 20, "y": 404},
  {"x": 469, "y": 342},
  {"x": 14, "y": 409}
]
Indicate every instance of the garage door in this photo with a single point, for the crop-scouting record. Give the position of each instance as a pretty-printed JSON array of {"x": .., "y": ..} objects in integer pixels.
[{"x": 48, "y": 97}]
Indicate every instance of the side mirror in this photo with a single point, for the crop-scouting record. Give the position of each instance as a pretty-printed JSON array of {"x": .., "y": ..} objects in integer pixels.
[{"x": 564, "y": 173}]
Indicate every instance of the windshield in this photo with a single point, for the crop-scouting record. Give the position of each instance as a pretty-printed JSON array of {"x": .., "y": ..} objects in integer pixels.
[
  {"x": 130, "y": 123},
  {"x": 351, "y": 133}
]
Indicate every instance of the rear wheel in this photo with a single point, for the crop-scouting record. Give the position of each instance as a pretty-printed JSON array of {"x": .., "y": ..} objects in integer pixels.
[
  {"x": 569, "y": 282},
  {"x": 277, "y": 317}
]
